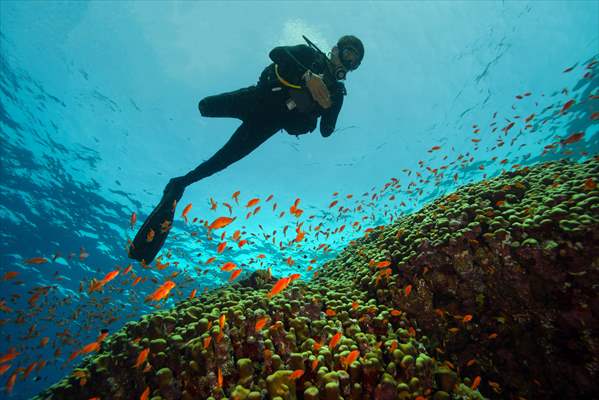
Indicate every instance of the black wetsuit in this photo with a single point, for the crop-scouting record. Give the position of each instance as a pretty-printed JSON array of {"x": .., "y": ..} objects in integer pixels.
[{"x": 264, "y": 111}]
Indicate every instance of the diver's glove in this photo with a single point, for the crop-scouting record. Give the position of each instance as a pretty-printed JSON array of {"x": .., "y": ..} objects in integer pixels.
[{"x": 317, "y": 88}]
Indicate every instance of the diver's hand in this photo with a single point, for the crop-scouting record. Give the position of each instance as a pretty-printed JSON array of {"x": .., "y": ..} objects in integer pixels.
[{"x": 318, "y": 89}]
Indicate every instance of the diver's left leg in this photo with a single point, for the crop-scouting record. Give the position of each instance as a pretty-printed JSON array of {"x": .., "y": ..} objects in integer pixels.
[
  {"x": 236, "y": 104},
  {"x": 247, "y": 138}
]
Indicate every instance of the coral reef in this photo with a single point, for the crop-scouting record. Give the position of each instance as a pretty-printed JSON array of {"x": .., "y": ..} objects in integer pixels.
[{"x": 489, "y": 292}]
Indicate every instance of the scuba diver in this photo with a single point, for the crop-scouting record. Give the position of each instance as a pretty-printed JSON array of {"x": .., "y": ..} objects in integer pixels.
[{"x": 300, "y": 85}]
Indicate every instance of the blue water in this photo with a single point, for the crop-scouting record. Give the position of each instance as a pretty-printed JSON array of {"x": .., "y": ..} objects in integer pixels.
[{"x": 98, "y": 111}]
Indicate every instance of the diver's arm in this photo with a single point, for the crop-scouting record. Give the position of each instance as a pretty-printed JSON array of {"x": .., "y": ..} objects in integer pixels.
[
  {"x": 329, "y": 116},
  {"x": 294, "y": 60}
]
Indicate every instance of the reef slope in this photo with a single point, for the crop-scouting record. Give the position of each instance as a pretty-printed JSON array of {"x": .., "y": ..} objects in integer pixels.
[{"x": 492, "y": 287}]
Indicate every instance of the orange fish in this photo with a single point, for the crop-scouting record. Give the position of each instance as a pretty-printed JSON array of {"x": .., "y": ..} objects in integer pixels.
[
  {"x": 434, "y": 148},
  {"x": 220, "y": 378},
  {"x": 350, "y": 358},
  {"x": 193, "y": 293},
  {"x": 36, "y": 260},
  {"x": 4, "y": 368},
  {"x": 467, "y": 318},
  {"x": 252, "y": 202},
  {"x": 335, "y": 340},
  {"x": 161, "y": 292},
  {"x": 383, "y": 264},
  {"x": 278, "y": 287},
  {"x": 93, "y": 346},
  {"x": 9, "y": 275},
  {"x": 235, "y": 274},
  {"x": 133, "y": 220},
  {"x": 567, "y": 106},
  {"x": 146, "y": 394},
  {"x": 293, "y": 277},
  {"x": 269, "y": 198},
  {"x": 475, "y": 383},
  {"x": 207, "y": 341},
  {"x": 211, "y": 259},
  {"x": 142, "y": 357},
  {"x": 235, "y": 196},
  {"x": 261, "y": 322},
  {"x": 296, "y": 374},
  {"x": 395, "y": 313},
  {"x": 573, "y": 138},
  {"x": 314, "y": 364},
  {"x": 221, "y": 321},
  {"x": 12, "y": 353},
  {"x": 220, "y": 222},
  {"x": 10, "y": 384},
  {"x": 228, "y": 266},
  {"x": 110, "y": 276},
  {"x": 408, "y": 290},
  {"x": 330, "y": 312},
  {"x": 185, "y": 211}
]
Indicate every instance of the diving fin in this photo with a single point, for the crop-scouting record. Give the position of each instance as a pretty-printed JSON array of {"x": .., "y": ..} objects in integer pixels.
[{"x": 151, "y": 236}]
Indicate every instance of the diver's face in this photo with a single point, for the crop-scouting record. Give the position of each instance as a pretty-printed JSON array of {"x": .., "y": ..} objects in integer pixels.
[
  {"x": 349, "y": 56},
  {"x": 336, "y": 61}
]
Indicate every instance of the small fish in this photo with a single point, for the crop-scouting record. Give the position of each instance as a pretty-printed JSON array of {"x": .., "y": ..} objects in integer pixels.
[
  {"x": 142, "y": 357},
  {"x": 228, "y": 266},
  {"x": 314, "y": 364},
  {"x": 567, "y": 106},
  {"x": 235, "y": 274},
  {"x": 467, "y": 318},
  {"x": 408, "y": 290},
  {"x": 296, "y": 374},
  {"x": 350, "y": 358},
  {"x": 133, "y": 220},
  {"x": 36, "y": 260},
  {"x": 161, "y": 292},
  {"x": 12, "y": 353},
  {"x": 4, "y": 368},
  {"x": 9, "y": 275},
  {"x": 335, "y": 340},
  {"x": 235, "y": 196},
  {"x": 383, "y": 264},
  {"x": 573, "y": 138},
  {"x": 220, "y": 378},
  {"x": 278, "y": 287},
  {"x": 261, "y": 323},
  {"x": 221, "y": 321},
  {"x": 475, "y": 383},
  {"x": 91, "y": 347},
  {"x": 146, "y": 394},
  {"x": 207, "y": 341},
  {"x": 252, "y": 202},
  {"x": 186, "y": 211},
  {"x": 220, "y": 222},
  {"x": 330, "y": 313},
  {"x": 221, "y": 247}
]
